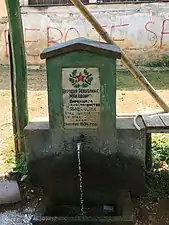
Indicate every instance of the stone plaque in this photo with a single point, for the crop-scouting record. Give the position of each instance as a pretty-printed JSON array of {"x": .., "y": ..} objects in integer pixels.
[{"x": 81, "y": 97}]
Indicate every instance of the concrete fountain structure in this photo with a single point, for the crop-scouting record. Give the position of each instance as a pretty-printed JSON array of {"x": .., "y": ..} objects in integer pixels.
[{"x": 87, "y": 161}]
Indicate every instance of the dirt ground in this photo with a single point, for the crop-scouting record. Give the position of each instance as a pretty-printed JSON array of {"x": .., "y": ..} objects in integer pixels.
[{"x": 128, "y": 101}]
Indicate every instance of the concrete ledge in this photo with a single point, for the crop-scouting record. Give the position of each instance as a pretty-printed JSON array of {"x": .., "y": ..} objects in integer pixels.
[
  {"x": 127, "y": 123},
  {"x": 129, "y": 171},
  {"x": 83, "y": 220},
  {"x": 124, "y": 217},
  {"x": 35, "y": 126},
  {"x": 130, "y": 141},
  {"x": 121, "y": 123}
]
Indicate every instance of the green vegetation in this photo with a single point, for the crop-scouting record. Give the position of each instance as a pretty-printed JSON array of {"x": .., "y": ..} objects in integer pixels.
[
  {"x": 16, "y": 167},
  {"x": 158, "y": 179},
  {"x": 20, "y": 167},
  {"x": 8, "y": 155},
  {"x": 160, "y": 63},
  {"x": 160, "y": 151},
  {"x": 126, "y": 81}
]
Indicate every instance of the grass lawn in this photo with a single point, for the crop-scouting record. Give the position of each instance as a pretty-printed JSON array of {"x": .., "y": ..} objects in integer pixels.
[{"x": 126, "y": 81}]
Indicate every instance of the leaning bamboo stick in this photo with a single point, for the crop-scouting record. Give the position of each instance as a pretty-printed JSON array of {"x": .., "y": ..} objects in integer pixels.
[{"x": 131, "y": 67}]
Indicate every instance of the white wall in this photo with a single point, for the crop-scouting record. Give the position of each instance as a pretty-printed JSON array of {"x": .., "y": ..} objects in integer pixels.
[
  {"x": 2, "y": 8},
  {"x": 142, "y": 30},
  {"x": 3, "y": 25}
]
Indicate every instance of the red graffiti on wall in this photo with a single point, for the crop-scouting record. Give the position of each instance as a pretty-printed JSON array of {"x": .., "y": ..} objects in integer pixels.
[
  {"x": 64, "y": 35},
  {"x": 154, "y": 34},
  {"x": 30, "y": 29},
  {"x": 114, "y": 27},
  {"x": 51, "y": 41},
  {"x": 71, "y": 29},
  {"x": 31, "y": 41},
  {"x": 163, "y": 31}
]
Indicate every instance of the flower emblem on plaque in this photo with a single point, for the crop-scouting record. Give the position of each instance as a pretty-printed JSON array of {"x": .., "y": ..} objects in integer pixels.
[{"x": 80, "y": 79}]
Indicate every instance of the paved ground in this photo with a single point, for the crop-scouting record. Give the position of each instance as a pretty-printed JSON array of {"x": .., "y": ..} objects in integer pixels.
[
  {"x": 16, "y": 214},
  {"x": 14, "y": 217},
  {"x": 147, "y": 213}
]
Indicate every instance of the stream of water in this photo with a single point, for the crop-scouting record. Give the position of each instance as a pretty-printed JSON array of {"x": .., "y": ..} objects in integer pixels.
[{"x": 80, "y": 178}]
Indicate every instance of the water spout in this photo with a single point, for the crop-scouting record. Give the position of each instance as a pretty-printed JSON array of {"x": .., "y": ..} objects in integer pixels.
[{"x": 79, "y": 144}]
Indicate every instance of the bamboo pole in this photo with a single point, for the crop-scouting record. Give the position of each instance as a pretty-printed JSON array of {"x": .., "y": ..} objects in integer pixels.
[{"x": 130, "y": 66}]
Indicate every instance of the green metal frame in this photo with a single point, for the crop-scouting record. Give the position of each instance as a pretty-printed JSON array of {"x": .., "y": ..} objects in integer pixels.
[{"x": 18, "y": 73}]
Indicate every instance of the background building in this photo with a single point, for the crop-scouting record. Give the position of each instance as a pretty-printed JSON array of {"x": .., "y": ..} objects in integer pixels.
[{"x": 140, "y": 29}]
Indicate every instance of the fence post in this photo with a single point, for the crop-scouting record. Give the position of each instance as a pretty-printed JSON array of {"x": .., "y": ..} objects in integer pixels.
[{"x": 19, "y": 71}]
